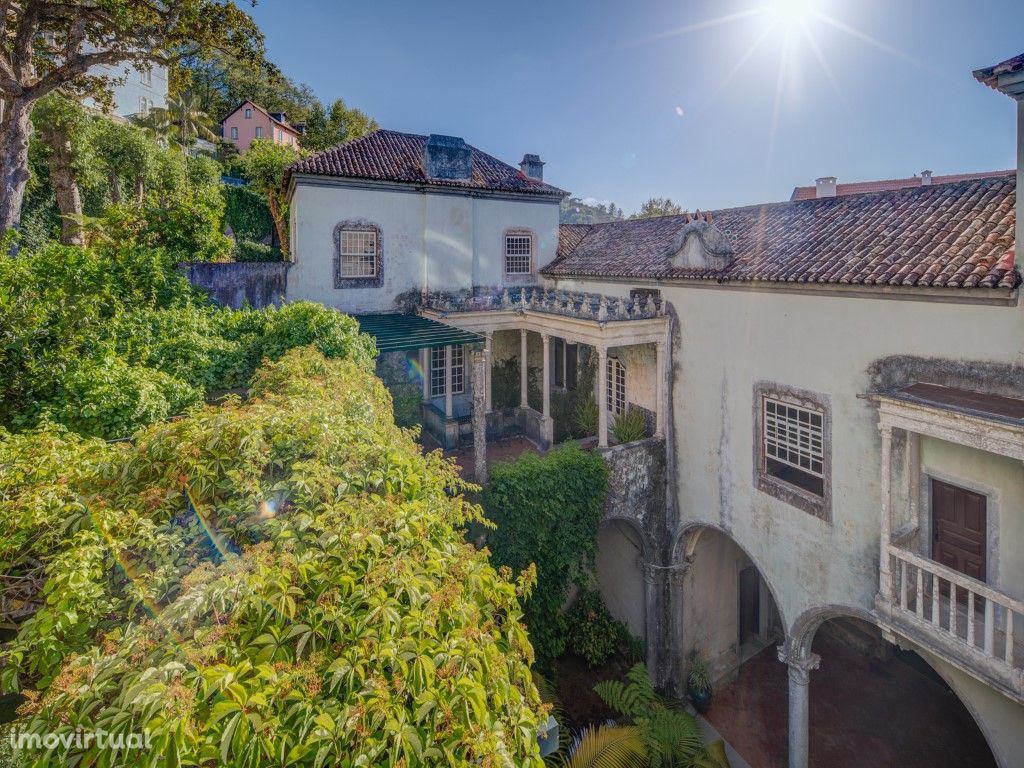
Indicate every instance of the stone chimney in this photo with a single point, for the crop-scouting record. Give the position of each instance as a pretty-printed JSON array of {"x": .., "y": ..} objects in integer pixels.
[
  {"x": 447, "y": 157},
  {"x": 926, "y": 178},
  {"x": 825, "y": 186},
  {"x": 533, "y": 167}
]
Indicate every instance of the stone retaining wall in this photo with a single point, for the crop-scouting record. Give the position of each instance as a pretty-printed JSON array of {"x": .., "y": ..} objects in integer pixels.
[{"x": 261, "y": 284}]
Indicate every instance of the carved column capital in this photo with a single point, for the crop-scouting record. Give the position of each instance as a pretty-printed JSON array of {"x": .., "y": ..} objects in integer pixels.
[
  {"x": 800, "y": 664},
  {"x": 672, "y": 574}
]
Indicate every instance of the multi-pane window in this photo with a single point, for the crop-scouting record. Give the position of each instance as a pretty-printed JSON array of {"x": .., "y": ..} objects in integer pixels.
[
  {"x": 146, "y": 76},
  {"x": 358, "y": 253},
  {"x": 259, "y": 132},
  {"x": 437, "y": 371},
  {"x": 793, "y": 439},
  {"x": 616, "y": 387},
  {"x": 234, "y": 132},
  {"x": 518, "y": 254},
  {"x": 248, "y": 113},
  {"x": 145, "y": 105}
]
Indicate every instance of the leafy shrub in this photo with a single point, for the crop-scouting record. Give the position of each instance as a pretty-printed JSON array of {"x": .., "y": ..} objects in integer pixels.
[
  {"x": 585, "y": 416},
  {"x": 250, "y": 251},
  {"x": 246, "y": 213},
  {"x": 301, "y": 323},
  {"x": 341, "y": 619},
  {"x": 547, "y": 510},
  {"x": 110, "y": 398},
  {"x": 505, "y": 384},
  {"x": 630, "y": 426},
  {"x": 593, "y": 633}
]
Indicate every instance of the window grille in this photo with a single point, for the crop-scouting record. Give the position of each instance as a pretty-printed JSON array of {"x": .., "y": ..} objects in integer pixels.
[
  {"x": 616, "y": 387},
  {"x": 518, "y": 254},
  {"x": 437, "y": 373},
  {"x": 793, "y": 442},
  {"x": 358, "y": 253}
]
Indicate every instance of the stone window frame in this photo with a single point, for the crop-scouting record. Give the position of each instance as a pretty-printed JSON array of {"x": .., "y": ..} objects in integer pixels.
[
  {"x": 819, "y": 506},
  {"x": 515, "y": 278},
  {"x": 363, "y": 225}
]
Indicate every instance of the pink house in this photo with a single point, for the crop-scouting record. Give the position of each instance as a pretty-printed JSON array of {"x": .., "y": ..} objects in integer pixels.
[{"x": 249, "y": 121}]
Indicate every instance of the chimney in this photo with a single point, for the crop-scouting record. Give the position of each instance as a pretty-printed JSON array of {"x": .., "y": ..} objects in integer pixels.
[
  {"x": 532, "y": 167},
  {"x": 825, "y": 186},
  {"x": 447, "y": 157},
  {"x": 926, "y": 178}
]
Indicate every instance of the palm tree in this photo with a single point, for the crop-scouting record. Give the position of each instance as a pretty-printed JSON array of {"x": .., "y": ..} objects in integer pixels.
[{"x": 179, "y": 122}]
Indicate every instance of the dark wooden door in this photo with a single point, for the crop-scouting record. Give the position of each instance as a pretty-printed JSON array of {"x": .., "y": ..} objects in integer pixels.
[
  {"x": 750, "y": 604},
  {"x": 959, "y": 529}
]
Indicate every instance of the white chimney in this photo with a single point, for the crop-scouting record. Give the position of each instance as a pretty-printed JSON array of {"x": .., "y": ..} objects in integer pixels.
[
  {"x": 825, "y": 186},
  {"x": 926, "y": 178}
]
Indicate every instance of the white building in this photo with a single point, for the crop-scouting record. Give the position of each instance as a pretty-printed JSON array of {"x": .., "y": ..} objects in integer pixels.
[
  {"x": 833, "y": 387},
  {"x": 135, "y": 91}
]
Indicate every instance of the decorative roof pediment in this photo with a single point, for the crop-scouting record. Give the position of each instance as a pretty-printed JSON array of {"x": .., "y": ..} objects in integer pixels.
[{"x": 700, "y": 245}]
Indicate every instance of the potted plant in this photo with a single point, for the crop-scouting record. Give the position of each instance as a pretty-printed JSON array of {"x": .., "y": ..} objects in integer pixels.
[{"x": 698, "y": 684}]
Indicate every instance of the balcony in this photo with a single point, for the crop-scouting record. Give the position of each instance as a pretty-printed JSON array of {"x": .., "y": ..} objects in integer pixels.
[{"x": 965, "y": 621}]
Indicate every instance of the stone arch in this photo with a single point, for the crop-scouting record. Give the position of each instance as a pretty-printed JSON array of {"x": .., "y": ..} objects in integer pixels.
[
  {"x": 801, "y": 635},
  {"x": 683, "y": 550}
]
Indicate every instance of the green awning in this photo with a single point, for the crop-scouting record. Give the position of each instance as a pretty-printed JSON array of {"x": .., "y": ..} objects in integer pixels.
[{"x": 398, "y": 333}]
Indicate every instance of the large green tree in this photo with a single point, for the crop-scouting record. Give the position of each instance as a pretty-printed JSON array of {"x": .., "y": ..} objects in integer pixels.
[
  {"x": 50, "y": 45},
  {"x": 343, "y": 123},
  {"x": 264, "y": 164},
  {"x": 657, "y": 206}
]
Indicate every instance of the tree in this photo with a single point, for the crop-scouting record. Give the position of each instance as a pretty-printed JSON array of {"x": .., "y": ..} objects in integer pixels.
[
  {"x": 128, "y": 155},
  {"x": 342, "y": 124},
  {"x": 188, "y": 120},
  {"x": 264, "y": 164},
  {"x": 46, "y": 45},
  {"x": 657, "y": 206},
  {"x": 64, "y": 134},
  {"x": 576, "y": 211}
]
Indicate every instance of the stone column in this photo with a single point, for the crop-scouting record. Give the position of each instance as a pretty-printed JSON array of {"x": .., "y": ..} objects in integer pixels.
[
  {"x": 488, "y": 350},
  {"x": 800, "y": 666},
  {"x": 523, "y": 382},
  {"x": 885, "y": 521},
  {"x": 448, "y": 381},
  {"x": 602, "y": 396},
  {"x": 425, "y": 368},
  {"x": 662, "y": 408},
  {"x": 549, "y": 431},
  {"x": 479, "y": 416},
  {"x": 914, "y": 477}
]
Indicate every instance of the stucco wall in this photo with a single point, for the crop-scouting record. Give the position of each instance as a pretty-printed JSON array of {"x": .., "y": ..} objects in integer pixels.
[
  {"x": 620, "y": 576},
  {"x": 429, "y": 241}
]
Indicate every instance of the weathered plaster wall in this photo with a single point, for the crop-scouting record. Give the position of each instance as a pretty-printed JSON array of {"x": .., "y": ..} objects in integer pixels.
[
  {"x": 429, "y": 241},
  {"x": 261, "y": 284},
  {"x": 620, "y": 576},
  {"x": 641, "y": 371}
]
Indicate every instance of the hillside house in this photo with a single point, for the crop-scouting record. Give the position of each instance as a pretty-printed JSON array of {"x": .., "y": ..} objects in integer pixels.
[{"x": 249, "y": 121}]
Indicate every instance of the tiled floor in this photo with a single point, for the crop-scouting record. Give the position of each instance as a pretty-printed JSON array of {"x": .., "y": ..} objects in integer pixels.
[
  {"x": 864, "y": 712},
  {"x": 502, "y": 450}
]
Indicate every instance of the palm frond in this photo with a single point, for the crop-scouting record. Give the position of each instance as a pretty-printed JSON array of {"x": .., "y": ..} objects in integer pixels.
[
  {"x": 672, "y": 736},
  {"x": 609, "y": 746},
  {"x": 713, "y": 756}
]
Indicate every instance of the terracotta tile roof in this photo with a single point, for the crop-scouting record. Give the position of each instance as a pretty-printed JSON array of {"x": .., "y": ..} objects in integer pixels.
[
  {"x": 990, "y": 75},
  {"x": 944, "y": 235},
  {"x": 864, "y": 187},
  {"x": 398, "y": 157}
]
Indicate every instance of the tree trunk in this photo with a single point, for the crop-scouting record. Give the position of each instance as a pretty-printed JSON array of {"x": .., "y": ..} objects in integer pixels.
[
  {"x": 115, "y": 187},
  {"x": 14, "y": 134},
  {"x": 65, "y": 186},
  {"x": 280, "y": 225}
]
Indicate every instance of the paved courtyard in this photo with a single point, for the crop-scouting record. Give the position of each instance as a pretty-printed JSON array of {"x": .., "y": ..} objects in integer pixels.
[
  {"x": 864, "y": 712},
  {"x": 501, "y": 450}
]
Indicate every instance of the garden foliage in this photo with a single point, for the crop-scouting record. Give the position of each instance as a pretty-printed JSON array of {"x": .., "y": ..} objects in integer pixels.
[
  {"x": 547, "y": 510},
  {"x": 276, "y": 582},
  {"x": 109, "y": 338}
]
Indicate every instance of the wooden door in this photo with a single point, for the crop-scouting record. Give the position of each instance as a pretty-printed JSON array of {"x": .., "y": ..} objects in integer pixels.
[
  {"x": 750, "y": 604},
  {"x": 959, "y": 529}
]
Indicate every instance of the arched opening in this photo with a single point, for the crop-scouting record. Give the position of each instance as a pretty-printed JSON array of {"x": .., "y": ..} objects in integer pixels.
[
  {"x": 620, "y": 576},
  {"x": 873, "y": 703}
]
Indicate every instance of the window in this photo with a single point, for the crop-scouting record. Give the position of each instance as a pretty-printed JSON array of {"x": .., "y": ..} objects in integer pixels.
[
  {"x": 792, "y": 451},
  {"x": 145, "y": 105},
  {"x": 248, "y": 114},
  {"x": 146, "y": 76},
  {"x": 358, "y": 253},
  {"x": 437, "y": 371},
  {"x": 259, "y": 132},
  {"x": 565, "y": 364},
  {"x": 793, "y": 444},
  {"x": 234, "y": 132},
  {"x": 616, "y": 387},
  {"x": 519, "y": 253}
]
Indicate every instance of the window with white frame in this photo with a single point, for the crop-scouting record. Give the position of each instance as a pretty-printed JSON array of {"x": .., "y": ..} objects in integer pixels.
[
  {"x": 248, "y": 113},
  {"x": 145, "y": 105},
  {"x": 234, "y": 132},
  {"x": 793, "y": 444},
  {"x": 146, "y": 76},
  {"x": 259, "y": 132},
  {"x": 358, "y": 249},
  {"x": 616, "y": 375},
  {"x": 438, "y": 378},
  {"x": 518, "y": 253}
]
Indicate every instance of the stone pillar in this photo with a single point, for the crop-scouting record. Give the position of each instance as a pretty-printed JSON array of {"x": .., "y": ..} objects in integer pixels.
[
  {"x": 448, "y": 381},
  {"x": 488, "y": 354},
  {"x": 548, "y": 424},
  {"x": 523, "y": 381},
  {"x": 479, "y": 362},
  {"x": 885, "y": 521},
  {"x": 800, "y": 666},
  {"x": 602, "y": 396},
  {"x": 662, "y": 408},
  {"x": 914, "y": 477},
  {"x": 425, "y": 368}
]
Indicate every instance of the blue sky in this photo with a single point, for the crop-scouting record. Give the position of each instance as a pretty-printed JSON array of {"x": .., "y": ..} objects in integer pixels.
[{"x": 623, "y": 105}]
